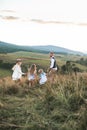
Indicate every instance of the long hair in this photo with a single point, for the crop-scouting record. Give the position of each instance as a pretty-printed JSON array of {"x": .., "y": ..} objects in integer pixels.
[{"x": 32, "y": 69}]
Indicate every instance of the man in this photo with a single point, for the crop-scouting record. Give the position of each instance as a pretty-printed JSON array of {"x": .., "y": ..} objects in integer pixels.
[{"x": 53, "y": 67}]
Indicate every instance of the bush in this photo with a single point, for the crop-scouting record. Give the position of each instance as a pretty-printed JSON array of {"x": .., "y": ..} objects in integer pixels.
[{"x": 75, "y": 101}]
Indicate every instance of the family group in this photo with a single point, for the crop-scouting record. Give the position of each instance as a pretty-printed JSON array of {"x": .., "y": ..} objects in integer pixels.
[{"x": 32, "y": 72}]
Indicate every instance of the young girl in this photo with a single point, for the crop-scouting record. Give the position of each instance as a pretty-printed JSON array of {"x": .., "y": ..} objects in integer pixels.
[
  {"x": 17, "y": 72},
  {"x": 43, "y": 77},
  {"x": 32, "y": 75}
]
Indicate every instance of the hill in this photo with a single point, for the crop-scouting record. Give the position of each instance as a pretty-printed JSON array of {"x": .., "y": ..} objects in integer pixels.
[
  {"x": 7, "y": 48},
  {"x": 60, "y": 106},
  {"x": 57, "y": 49}
]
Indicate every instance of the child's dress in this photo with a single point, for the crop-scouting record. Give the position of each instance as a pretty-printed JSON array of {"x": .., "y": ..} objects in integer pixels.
[
  {"x": 32, "y": 76},
  {"x": 17, "y": 72},
  {"x": 43, "y": 78}
]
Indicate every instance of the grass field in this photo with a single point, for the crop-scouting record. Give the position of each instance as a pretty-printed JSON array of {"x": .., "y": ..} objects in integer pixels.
[
  {"x": 58, "y": 106},
  {"x": 61, "y": 105},
  {"x": 41, "y": 60},
  {"x": 5, "y": 73}
]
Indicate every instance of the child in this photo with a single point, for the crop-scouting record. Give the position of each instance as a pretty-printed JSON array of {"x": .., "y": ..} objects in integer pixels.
[
  {"x": 17, "y": 72},
  {"x": 32, "y": 75},
  {"x": 43, "y": 77}
]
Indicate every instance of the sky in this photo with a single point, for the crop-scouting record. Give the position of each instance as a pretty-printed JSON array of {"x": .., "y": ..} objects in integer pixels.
[{"x": 44, "y": 22}]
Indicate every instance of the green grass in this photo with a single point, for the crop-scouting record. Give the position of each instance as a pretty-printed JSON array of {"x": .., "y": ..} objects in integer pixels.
[
  {"x": 41, "y": 60},
  {"x": 5, "y": 73},
  {"x": 29, "y": 55},
  {"x": 58, "y": 106},
  {"x": 61, "y": 106}
]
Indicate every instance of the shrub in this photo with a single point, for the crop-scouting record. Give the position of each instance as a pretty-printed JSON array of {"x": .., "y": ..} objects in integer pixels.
[{"x": 75, "y": 101}]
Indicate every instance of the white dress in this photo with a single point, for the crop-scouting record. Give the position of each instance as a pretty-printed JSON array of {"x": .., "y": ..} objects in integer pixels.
[
  {"x": 17, "y": 72},
  {"x": 43, "y": 78},
  {"x": 31, "y": 77}
]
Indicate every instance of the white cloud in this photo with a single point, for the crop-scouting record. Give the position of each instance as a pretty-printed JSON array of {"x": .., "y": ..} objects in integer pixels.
[{"x": 25, "y": 31}]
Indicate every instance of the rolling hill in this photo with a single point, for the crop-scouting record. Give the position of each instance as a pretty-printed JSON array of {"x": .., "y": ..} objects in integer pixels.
[{"x": 8, "y": 48}]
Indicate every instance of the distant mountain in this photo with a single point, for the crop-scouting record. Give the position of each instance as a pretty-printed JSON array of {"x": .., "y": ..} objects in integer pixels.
[
  {"x": 7, "y": 48},
  {"x": 57, "y": 49}
]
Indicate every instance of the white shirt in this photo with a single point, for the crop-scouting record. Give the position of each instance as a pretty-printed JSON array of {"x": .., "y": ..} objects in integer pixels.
[
  {"x": 52, "y": 60},
  {"x": 17, "y": 72}
]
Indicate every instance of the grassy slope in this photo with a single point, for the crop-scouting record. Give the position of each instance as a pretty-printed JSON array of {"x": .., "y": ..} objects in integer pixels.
[
  {"x": 62, "y": 106},
  {"x": 4, "y": 73},
  {"x": 41, "y": 60}
]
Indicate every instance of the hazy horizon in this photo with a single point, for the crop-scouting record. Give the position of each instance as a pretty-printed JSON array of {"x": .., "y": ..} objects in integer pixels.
[{"x": 47, "y": 22}]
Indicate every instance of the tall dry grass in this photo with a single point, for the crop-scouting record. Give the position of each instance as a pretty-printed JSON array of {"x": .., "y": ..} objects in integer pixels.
[{"x": 60, "y": 105}]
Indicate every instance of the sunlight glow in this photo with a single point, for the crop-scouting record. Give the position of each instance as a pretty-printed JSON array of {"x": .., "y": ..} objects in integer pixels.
[{"x": 52, "y": 22}]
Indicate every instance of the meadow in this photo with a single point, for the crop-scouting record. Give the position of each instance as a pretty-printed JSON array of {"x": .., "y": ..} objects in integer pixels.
[
  {"x": 61, "y": 105},
  {"x": 41, "y": 60}
]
